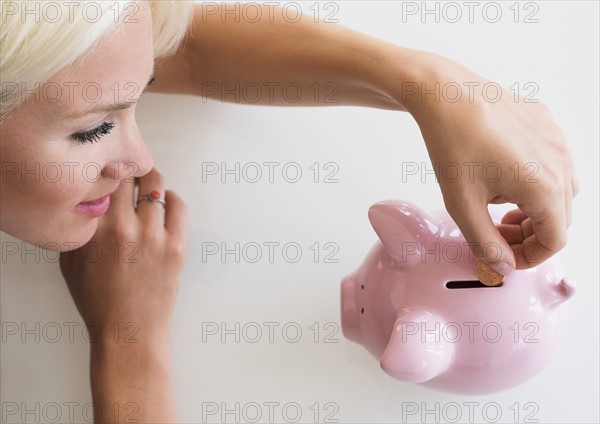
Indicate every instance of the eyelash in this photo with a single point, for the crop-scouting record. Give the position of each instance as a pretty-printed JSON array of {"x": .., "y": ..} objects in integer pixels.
[
  {"x": 94, "y": 134},
  {"x": 97, "y": 133}
]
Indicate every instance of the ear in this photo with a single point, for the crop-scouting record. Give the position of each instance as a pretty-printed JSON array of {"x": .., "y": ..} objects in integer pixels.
[
  {"x": 417, "y": 351},
  {"x": 403, "y": 229}
]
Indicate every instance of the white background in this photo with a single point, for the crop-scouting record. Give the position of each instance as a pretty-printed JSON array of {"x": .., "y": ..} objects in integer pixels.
[{"x": 559, "y": 54}]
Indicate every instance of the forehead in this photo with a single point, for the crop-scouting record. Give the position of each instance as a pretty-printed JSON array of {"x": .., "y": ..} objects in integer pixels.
[
  {"x": 115, "y": 69},
  {"x": 122, "y": 49}
]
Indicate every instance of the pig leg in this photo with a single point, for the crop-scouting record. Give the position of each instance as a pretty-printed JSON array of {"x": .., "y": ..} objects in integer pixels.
[{"x": 417, "y": 350}]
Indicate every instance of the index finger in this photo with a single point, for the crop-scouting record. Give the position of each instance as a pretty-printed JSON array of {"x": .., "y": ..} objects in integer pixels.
[
  {"x": 121, "y": 205},
  {"x": 122, "y": 200}
]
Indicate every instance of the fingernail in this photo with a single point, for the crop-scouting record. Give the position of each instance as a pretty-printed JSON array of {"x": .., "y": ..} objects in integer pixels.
[{"x": 503, "y": 268}]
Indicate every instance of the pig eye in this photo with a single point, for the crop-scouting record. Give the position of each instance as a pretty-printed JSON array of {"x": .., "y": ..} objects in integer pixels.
[
  {"x": 362, "y": 286},
  {"x": 362, "y": 310}
]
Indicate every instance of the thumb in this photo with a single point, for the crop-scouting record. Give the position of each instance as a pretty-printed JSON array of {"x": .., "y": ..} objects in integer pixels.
[{"x": 483, "y": 237}]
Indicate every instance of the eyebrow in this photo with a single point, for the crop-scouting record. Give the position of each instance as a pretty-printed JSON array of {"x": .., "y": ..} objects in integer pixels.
[{"x": 111, "y": 107}]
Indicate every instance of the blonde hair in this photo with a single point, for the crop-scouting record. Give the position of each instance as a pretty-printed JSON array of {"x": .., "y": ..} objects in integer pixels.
[{"x": 39, "y": 38}]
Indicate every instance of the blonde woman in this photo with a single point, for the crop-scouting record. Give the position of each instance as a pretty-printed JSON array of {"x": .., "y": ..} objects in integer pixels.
[{"x": 71, "y": 76}]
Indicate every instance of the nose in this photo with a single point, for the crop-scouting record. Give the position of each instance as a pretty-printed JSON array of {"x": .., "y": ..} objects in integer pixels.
[
  {"x": 144, "y": 162},
  {"x": 134, "y": 159}
]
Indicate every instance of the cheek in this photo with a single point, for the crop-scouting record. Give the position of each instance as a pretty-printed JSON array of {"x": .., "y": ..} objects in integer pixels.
[
  {"x": 46, "y": 186},
  {"x": 43, "y": 176},
  {"x": 42, "y": 172},
  {"x": 36, "y": 204}
]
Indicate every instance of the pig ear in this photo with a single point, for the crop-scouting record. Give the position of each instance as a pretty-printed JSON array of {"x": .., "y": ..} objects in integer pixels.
[
  {"x": 403, "y": 229},
  {"x": 414, "y": 352}
]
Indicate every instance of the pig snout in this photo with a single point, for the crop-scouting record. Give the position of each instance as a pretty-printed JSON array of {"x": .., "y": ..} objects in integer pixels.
[{"x": 349, "y": 309}]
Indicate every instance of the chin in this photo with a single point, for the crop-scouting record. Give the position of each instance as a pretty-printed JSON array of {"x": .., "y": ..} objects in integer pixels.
[
  {"x": 75, "y": 238},
  {"x": 59, "y": 235},
  {"x": 65, "y": 239}
]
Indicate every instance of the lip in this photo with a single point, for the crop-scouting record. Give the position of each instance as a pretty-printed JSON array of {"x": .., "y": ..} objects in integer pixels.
[{"x": 97, "y": 207}]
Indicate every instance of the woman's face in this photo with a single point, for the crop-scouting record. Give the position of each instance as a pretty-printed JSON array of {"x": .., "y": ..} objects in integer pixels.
[{"x": 59, "y": 159}]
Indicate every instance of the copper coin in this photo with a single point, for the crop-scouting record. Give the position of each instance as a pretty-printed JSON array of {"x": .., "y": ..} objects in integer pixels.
[{"x": 487, "y": 275}]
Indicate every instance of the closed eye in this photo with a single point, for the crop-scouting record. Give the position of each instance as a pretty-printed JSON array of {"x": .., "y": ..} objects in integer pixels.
[{"x": 94, "y": 134}]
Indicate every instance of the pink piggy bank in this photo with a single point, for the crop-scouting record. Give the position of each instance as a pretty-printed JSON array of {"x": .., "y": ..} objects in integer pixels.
[{"x": 416, "y": 305}]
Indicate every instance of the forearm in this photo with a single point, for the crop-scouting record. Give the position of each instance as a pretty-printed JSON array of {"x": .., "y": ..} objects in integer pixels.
[
  {"x": 131, "y": 383},
  {"x": 276, "y": 62}
]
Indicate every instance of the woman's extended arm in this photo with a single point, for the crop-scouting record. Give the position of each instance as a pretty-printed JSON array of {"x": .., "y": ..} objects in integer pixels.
[
  {"x": 227, "y": 58},
  {"x": 299, "y": 63}
]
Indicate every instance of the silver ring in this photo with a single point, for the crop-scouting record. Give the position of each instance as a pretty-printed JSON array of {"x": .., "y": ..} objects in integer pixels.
[{"x": 153, "y": 196}]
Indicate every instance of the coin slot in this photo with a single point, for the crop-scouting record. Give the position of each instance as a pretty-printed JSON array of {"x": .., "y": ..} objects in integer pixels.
[{"x": 468, "y": 284}]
